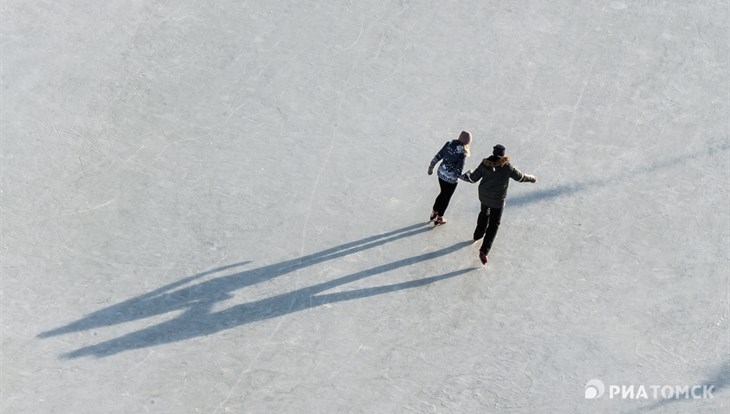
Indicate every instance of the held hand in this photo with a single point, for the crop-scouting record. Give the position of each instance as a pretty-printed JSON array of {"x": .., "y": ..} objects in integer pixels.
[{"x": 530, "y": 178}]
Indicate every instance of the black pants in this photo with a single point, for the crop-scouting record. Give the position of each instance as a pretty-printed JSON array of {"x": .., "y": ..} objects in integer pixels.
[
  {"x": 442, "y": 201},
  {"x": 487, "y": 226}
]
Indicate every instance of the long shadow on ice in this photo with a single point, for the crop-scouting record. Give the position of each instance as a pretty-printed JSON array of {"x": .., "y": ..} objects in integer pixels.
[
  {"x": 197, "y": 300},
  {"x": 167, "y": 298},
  {"x": 198, "y": 320},
  {"x": 571, "y": 187}
]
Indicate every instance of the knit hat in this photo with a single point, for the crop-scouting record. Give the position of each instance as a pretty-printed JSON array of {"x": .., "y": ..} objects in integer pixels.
[
  {"x": 465, "y": 137},
  {"x": 499, "y": 150}
]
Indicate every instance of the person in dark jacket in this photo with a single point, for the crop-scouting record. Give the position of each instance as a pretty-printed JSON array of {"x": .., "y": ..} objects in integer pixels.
[
  {"x": 494, "y": 173},
  {"x": 452, "y": 156}
]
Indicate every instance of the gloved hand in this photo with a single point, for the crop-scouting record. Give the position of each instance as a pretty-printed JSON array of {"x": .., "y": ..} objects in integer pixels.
[
  {"x": 465, "y": 176},
  {"x": 430, "y": 170},
  {"x": 530, "y": 178}
]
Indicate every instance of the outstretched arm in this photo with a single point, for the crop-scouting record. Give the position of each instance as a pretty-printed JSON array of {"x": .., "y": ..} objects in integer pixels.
[{"x": 518, "y": 175}]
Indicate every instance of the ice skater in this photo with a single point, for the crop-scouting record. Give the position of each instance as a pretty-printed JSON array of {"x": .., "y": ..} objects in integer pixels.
[
  {"x": 495, "y": 173},
  {"x": 452, "y": 156}
]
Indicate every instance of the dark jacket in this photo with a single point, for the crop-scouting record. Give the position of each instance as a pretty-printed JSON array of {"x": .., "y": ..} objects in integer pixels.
[
  {"x": 495, "y": 173},
  {"x": 452, "y": 157}
]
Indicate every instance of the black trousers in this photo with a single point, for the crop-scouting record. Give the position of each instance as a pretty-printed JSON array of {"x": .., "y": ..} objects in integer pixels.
[
  {"x": 487, "y": 226},
  {"x": 442, "y": 201}
]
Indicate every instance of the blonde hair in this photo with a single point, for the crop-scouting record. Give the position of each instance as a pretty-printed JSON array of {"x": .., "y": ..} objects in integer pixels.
[{"x": 465, "y": 139}]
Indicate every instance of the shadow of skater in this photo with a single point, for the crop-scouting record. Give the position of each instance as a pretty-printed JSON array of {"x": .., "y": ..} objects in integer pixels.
[
  {"x": 573, "y": 187},
  {"x": 167, "y": 298},
  {"x": 198, "y": 320}
]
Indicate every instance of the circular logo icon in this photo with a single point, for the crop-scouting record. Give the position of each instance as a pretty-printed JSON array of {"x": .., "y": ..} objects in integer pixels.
[{"x": 595, "y": 389}]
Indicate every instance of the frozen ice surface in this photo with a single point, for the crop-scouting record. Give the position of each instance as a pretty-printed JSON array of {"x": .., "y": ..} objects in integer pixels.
[{"x": 220, "y": 206}]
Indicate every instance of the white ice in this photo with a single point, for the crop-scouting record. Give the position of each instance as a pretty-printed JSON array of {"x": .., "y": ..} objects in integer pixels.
[{"x": 213, "y": 207}]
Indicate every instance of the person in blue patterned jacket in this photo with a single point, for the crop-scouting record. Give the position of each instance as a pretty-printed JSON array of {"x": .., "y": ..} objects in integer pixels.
[{"x": 452, "y": 156}]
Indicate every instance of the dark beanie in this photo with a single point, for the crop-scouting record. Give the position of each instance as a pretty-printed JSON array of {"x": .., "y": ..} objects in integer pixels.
[{"x": 499, "y": 150}]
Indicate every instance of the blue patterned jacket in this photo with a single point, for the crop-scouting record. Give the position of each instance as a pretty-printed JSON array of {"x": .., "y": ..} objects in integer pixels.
[{"x": 452, "y": 158}]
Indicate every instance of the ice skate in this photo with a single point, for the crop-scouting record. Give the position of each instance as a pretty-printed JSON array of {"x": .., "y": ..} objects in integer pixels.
[
  {"x": 434, "y": 214},
  {"x": 483, "y": 257}
]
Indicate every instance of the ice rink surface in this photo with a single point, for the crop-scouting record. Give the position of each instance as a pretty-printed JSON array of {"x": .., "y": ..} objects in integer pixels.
[{"x": 220, "y": 207}]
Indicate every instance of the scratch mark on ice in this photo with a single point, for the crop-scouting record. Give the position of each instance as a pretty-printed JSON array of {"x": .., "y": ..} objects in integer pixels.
[
  {"x": 362, "y": 27},
  {"x": 159, "y": 154},
  {"x": 86, "y": 210},
  {"x": 133, "y": 155},
  {"x": 580, "y": 98},
  {"x": 380, "y": 47}
]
